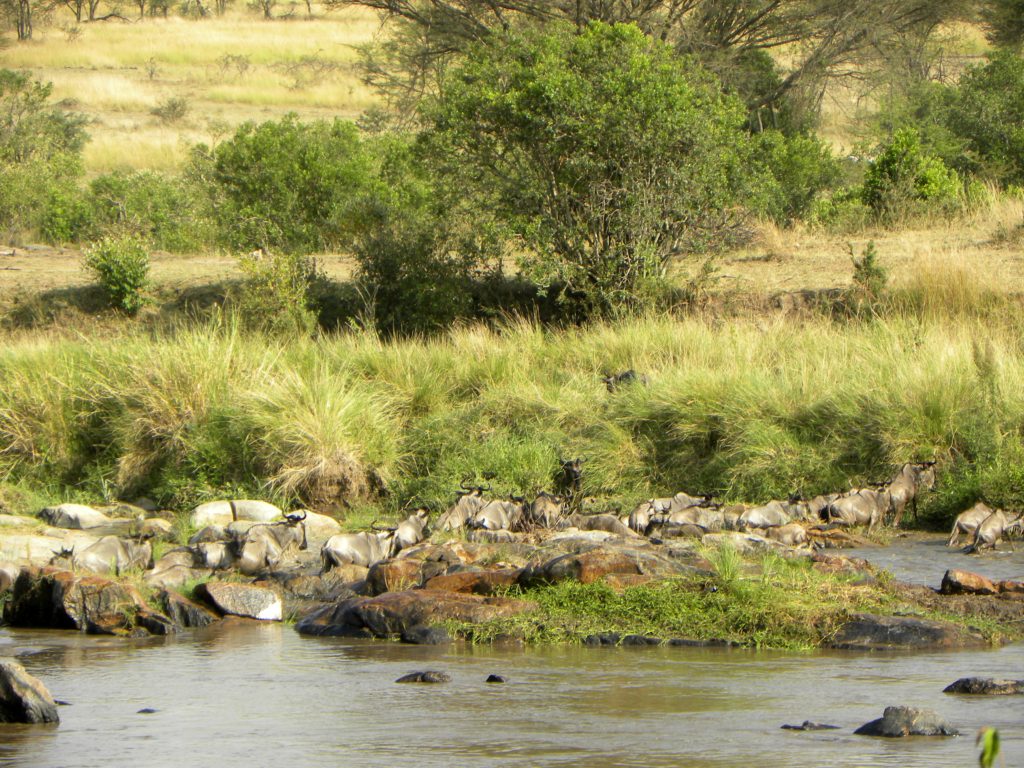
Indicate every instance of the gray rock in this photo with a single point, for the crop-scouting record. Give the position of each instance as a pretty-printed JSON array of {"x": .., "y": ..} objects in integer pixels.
[
  {"x": 897, "y": 722},
  {"x": 641, "y": 640},
  {"x": 8, "y": 575},
  {"x": 75, "y": 516},
  {"x": 244, "y": 600},
  {"x": 807, "y": 725},
  {"x": 426, "y": 636},
  {"x": 185, "y": 612},
  {"x": 425, "y": 677},
  {"x": 603, "y": 638},
  {"x": 985, "y": 686},
  {"x": 496, "y": 679},
  {"x": 867, "y": 632},
  {"x": 24, "y": 698},
  {"x": 223, "y": 512},
  {"x": 209, "y": 534}
]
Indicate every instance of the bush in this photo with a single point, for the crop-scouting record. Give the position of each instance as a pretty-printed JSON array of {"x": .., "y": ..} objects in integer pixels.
[
  {"x": 842, "y": 212},
  {"x": 171, "y": 110},
  {"x": 602, "y": 151},
  {"x": 869, "y": 278},
  {"x": 799, "y": 168},
  {"x": 277, "y": 295},
  {"x": 121, "y": 265},
  {"x": 905, "y": 181},
  {"x": 288, "y": 186}
]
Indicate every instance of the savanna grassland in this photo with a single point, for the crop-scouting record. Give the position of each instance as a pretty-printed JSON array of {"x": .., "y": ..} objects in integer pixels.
[{"x": 771, "y": 370}]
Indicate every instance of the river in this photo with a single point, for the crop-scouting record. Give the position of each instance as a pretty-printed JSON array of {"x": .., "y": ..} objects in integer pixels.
[{"x": 249, "y": 694}]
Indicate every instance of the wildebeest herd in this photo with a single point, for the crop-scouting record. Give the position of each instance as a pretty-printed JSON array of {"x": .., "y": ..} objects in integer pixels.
[{"x": 793, "y": 522}]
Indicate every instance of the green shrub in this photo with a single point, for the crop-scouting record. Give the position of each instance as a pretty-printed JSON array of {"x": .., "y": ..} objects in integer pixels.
[
  {"x": 66, "y": 216},
  {"x": 288, "y": 186},
  {"x": 277, "y": 294},
  {"x": 171, "y": 110},
  {"x": 121, "y": 266},
  {"x": 870, "y": 279},
  {"x": 843, "y": 212},
  {"x": 905, "y": 181},
  {"x": 799, "y": 168}
]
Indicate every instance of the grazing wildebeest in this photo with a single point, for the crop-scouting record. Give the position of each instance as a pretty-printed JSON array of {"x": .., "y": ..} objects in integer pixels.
[
  {"x": 363, "y": 549},
  {"x": 865, "y": 506},
  {"x": 469, "y": 500},
  {"x": 905, "y": 485},
  {"x": 991, "y": 530},
  {"x": 967, "y": 522}
]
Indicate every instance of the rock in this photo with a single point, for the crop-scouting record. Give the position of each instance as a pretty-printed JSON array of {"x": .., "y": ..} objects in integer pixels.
[
  {"x": 402, "y": 573},
  {"x": 18, "y": 521},
  {"x": 215, "y": 555},
  {"x": 496, "y": 679},
  {"x": 1012, "y": 587},
  {"x": 147, "y": 711},
  {"x": 500, "y": 536},
  {"x": 985, "y": 686},
  {"x": 29, "y": 549},
  {"x": 828, "y": 563},
  {"x": 807, "y": 725},
  {"x": 157, "y": 528},
  {"x": 896, "y": 722},
  {"x": 596, "y": 563},
  {"x": 743, "y": 543},
  {"x": 24, "y": 698},
  {"x": 243, "y": 600},
  {"x": 175, "y": 568},
  {"x": 868, "y": 632},
  {"x": 425, "y": 677},
  {"x": 476, "y": 582},
  {"x": 209, "y": 534},
  {"x": 426, "y": 636},
  {"x": 956, "y": 582},
  {"x": 76, "y": 516},
  {"x": 8, "y": 575},
  {"x": 395, "y": 613},
  {"x": 50, "y": 598},
  {"x": 185, "y": 612},
  {"x": 641, "y": 640},
  {"x": 715, "y": 642},
  {"x": 224, "y": 512},
  {"x": 602, "y": 638}
]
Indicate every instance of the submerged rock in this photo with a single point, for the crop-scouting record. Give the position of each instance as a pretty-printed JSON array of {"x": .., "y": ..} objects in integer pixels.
[
  {"x": 807, "y": 725},
  {"x": 869, "y": 632},
  {"x": 897, "y": 722},
  {"x": 245, "y": 600},
  {"x": 496, "y": 679},
  {"x": 425, "y": 677},
  {"x": 985, "y": 686},
  {"x": 24, "y": 698}
]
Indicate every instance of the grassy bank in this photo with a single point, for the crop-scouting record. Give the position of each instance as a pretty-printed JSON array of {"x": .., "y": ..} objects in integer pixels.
[{"x": 749, "y": 408}]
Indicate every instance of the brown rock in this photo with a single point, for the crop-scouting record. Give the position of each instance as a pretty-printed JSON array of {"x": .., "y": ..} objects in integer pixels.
[
  {"x": 186, "y": 612},
  {"x": 826, "y": 563},
  {"x": 956, "y": 582},
  {"x": 869, "y": 632},
  {"x": 985, "y": 686},
  {"x": 596, "y": 563},
  {"x": 1013, "y": 587},
  {"x": 245, "y": 600},
  {"x": 400, "y": 574},
  {"x": 24, "y": 698},
  {"x": 476, "y": 582},
  {"x": 395, "y": 613}
]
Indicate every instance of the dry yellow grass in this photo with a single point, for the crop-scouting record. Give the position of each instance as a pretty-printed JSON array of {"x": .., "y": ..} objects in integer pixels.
[{"x": 115, "y": 73}]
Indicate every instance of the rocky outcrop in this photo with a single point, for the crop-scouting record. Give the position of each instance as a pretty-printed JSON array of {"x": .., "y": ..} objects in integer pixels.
[
  {"x": 76, "y": 516},
  {"x": 476, "y": 581},
  {"x": 24, "y": 698},
  {"x": 600, "y": 562},
  {"x": 224, "y": 512},
  {"x": 955, "y": 582},
  {"x": 395, "y": 613},
  {"x": 185, "y": 612},
  {"x": 49, "y": 598},
  {"x": 245, "y": 600},
  {"x": 897, "y": 722},
  {"x": 869, "y": 632},
  {"x": 985, "y": 686}
]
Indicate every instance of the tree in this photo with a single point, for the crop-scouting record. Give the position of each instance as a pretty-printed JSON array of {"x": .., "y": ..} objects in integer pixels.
[
  {"x": 600, "y": 150},
  {"x": 1004, "y": 21},
  {"x": 823, "y": 38}
]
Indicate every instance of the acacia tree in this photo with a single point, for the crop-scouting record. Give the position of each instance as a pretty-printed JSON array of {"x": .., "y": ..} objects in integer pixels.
[
  {"x": 824, "y": 38},
  {"x": 600, "y": 150}
]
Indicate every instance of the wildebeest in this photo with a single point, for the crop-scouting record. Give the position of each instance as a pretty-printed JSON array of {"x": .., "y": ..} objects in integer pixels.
[
  {"x": 411, "y": 531},
  {"x": 967, "y": 522},
  {"x": 816, "y": 507},
  {"x": 546, "y": 510},
  {"x": 363, "y": 549},
  {"x": 642, "y": 515},
  {"x": 615, "y": 380},
  {"x": 991, "y": 530},
  {"x": 770, "y": 515},
  {"x": 264, "y": 545},
  {"x": 790, "y": 535},
  {"x": 905, "y": 485},
  {"x": 469, "y": 500},
  {"x": 569, "y": 481},
  {"x": 865, "y": 506},
  {"x": 109, "y": 554},
  {"x": 500, "y": 515}
]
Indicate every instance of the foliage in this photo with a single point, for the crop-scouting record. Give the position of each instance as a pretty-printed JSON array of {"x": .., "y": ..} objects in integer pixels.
[
  {"x": 171, "y": 110},
  {"x": 904, "y": 180},
  {"x": 988, "y": 115},
  {"x": 799, "y": 168},
  {"x": 869, "y": 278},
  {"x": 602, "y": 151},
  {"x": 121, "y": 266},
  {"x": 277, "y": 294},
  {"x": 988, "y": 740},
  {"x": 1004, "y": 22},
  {"x": 288, "y": 186}
]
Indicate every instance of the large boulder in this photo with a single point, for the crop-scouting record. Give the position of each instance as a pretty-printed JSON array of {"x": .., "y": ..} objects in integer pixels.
[
  {"x": 896, "y": 722},
  {"x": 185, "y": 612},
  {"x": 477, "y": 582},
  {"x": 955, "y": 582},
  {"x": 18, "y": 521},
  {"x": 50, "y": 598},
  {"x": 400, "y": 574},
  {"x": 215, "y": 555},
  {"x": 319, "y": 528},
  {"x": 176, "y": 568},
  {"x": 76, "y": 516},
  {"x": 28, "y": 549},
  {"x": 24, "y": 698},
  {"x": 599, "y": 562},
  {"x": 224, "y": 512},
  {"x": 869, "y": 632},
  {"x": 396, "y": 613},
  {"x": 244, "y": 600},
  {"x": 985, "y": 686}
]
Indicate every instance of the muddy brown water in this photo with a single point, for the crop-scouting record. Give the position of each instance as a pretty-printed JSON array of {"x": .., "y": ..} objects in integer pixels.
[{"x": 250, "y": 694}]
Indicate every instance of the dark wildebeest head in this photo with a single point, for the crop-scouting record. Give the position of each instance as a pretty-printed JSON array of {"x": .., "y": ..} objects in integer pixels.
[
  {"x": 615, "y": 380},
  {"x": 570, "y": 478}
]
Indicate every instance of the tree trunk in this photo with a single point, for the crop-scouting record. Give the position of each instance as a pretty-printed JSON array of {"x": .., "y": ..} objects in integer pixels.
[{"x": 24, "y": 19}]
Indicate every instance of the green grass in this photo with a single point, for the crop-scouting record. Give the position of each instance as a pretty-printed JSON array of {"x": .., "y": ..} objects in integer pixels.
[{"x": 749, "y": 408}]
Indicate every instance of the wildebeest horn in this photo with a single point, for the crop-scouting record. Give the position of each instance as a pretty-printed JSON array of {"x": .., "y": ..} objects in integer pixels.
[
  {"x": 294, "y": 518},
  {"x": 484, "y": 488},
  {"x": 517, "y": 499}
]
